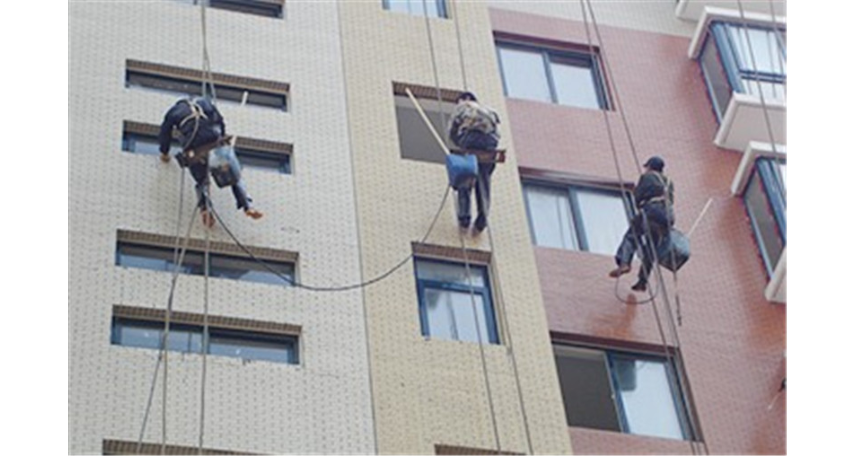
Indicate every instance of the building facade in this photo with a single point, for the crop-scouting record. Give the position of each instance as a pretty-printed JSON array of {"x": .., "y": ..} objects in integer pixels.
[{"x": 511, "y": 341}]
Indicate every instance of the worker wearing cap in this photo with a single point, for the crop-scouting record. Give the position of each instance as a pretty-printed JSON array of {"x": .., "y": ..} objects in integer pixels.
[
  {"x": 654, "y": 199},
  {"x": 474, "y": 127}
]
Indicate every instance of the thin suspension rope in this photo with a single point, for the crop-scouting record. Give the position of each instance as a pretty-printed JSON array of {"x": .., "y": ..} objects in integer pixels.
[
  {"x": 505, "y": 324},
  {"x": 684, "y": 384},
  {"x": 164, "y": 337},
  {"x": 444, "y": 121},
  {"x": 757, "y": 78},
  {"x": 206, "y": 336}
]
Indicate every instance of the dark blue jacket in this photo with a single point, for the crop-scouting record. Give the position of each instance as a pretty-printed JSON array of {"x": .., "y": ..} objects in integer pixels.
[
  {"x": 193, "y": 130},
  {"x": 651, "y": 192}
]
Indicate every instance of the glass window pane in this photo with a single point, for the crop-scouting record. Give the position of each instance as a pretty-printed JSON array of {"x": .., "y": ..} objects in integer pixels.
[
  {"x": 763, "y": 44},
  {"x": 763, "y": 222},
  {"x": 265, "y": 348},
  {"x": 450, "y": 273},
  {"x": 586, "y": 388},
  {"x": 574, "y": 82},
  {"x": 771, "y": 90},
  {"x": 157, "y": 259},
  {"x": 604, "y": 219},
  {"x": 524, "y": 74},
  {"x": 715, "y": 77},
  {"x": 646, "y": 395},
  {"x": 249, "y": 270},
  {"x": 450, "y": 316},
  {"x": 551, "y": 219},
  {"x": 415, "y": 139},
  {"x": 280, "y": 163}
]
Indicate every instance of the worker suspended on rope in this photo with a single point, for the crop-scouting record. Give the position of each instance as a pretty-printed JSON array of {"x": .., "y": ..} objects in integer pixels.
[
  {"x": 654, "y": 199},
  {"x": 473, "y": 128},
  {"x": 205, "y": 149}
]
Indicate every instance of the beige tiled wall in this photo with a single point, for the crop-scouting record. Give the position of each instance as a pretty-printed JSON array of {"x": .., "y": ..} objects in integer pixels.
[
  {"x": 321, "y": 406},
  {"x": 430, "y": 392}
]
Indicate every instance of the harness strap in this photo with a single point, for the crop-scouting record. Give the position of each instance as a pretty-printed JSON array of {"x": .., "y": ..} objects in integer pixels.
[{"x": 196, "y": 112}]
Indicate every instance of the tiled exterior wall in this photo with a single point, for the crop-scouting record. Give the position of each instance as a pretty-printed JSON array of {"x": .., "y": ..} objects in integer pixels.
[
  {"x": 732, "y": 338},
  {"x": 432, "y": 392},
  {"x": 321, "y": 406}
]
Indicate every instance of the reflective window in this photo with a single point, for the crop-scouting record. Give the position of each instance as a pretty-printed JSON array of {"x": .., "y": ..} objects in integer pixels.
[
  {"x": 575, "y": 218},
  {"x": 193, "y": 87},
  {"x": 622, "y": 392},
  {"x": 765, "y": 202},
  {"x": 186, "y": 338},
  {"x": 414, "y": 137},
  {"x": 446, "y": 302},
  {"x": 561, "y": 77},
  {"x": 267, "y": 8},
  {"x": 750, "y": 60},
  {"x": 433, "y": 8},
  {"x": 223, "y": 266},
  {"x": 144, "y": 144}
]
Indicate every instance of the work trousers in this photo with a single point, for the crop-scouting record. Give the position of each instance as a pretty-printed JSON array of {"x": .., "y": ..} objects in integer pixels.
[
  {"x": 475, "y": 140},
  {"x": 659, "y": 222},
  {"x": 200, "y": 174}
]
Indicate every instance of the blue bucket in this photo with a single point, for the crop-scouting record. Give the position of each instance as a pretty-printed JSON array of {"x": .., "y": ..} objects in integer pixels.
[{"x": 462, "y": 170}]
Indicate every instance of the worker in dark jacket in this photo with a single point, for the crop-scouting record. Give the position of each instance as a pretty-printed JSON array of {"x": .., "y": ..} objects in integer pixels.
[
  {"x": 201, "y": 129},
  {"x": 654, "y": 199},
  {"x": 474, "y": 127}
]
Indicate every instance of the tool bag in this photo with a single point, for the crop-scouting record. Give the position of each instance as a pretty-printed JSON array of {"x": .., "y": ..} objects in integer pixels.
[
  {"x": 224, "y": 166},
  {"x": 673, "y": 251}
]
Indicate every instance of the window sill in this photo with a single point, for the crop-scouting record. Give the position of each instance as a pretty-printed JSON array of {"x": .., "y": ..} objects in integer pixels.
[
  {"x": 745, "y": 121},
  {"x": 693, "y": 10},
  {"x": 754, "y": 151}
]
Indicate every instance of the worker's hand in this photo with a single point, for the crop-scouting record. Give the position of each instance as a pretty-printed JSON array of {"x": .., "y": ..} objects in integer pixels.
[{"x": 164, "y": 158}]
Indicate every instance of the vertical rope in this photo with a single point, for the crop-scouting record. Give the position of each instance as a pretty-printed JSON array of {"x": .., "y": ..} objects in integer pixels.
[{"x": 205, "y": 329}]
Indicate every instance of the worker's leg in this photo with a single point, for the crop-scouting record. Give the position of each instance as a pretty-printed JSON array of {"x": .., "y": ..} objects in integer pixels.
[
  {"x": 244, "y": 201},
  {"x": 628, "y": 246},
  {"x": 657, "y": 227},
  {"x": 200, "y": 175},
  {"x": 482, "y": 194},
  {"x": 464, "y": 211}
]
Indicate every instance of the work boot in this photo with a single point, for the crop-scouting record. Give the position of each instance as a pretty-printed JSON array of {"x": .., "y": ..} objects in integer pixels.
[
  {"x": 208, "y": 219},
  {"x": 255, "y": 214},
  {"x": 480, "y": 223},
  {"x": 620, "y": 270},
  {"x": 641, "y": 285},
  {"x": 464, "y": 222}
]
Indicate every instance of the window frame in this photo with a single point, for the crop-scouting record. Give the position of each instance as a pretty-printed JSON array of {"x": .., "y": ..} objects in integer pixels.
[
  {"x": 576, "y": 223},
  {"x": 291, "y": 341},
  {"x": 199, "y": 269},
  {"x": 261, "y": 8},
  {"x": 673, "y": 380},
  {"x": 773, "y": 189},
  {"x": 131, "y": 138},
  {"x": 441, "y": 8},
  {"x": 593, "y": 60},
  {"x": 726, "y": 51},
  {"x": 485, "y": 292}
]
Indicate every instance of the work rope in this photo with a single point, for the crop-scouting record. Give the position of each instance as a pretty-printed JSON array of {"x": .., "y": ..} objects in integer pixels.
[
  {"x": 206, "y": 336},
  {"x": 676, "y": 356}
]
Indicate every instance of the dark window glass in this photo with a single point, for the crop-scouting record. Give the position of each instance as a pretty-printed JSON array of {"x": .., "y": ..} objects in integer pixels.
[
  {"x": 623, "y": 392},
  {"x": 715, "y": 77},
  {"x": 189, "y": 87},
  {"x": 223, "y": 266},
  {"x": 222, "y": 342},
  {"x": 764, "y": 223},
  {"x": 434, "y": 8},
  {"x": 415, "y": 139},
  {"x": 267, "y": 8},
  {"x": 445, "y": 303}
]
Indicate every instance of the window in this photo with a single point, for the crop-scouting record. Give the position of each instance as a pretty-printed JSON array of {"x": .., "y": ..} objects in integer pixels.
[
  {"x": 727, "y": 65},
  {"x": 267, "y": 8},
  {"x": 621, "y": 392},
  {"x": 158, "y": 258},
  {"x": 132, "y": 447},
  {"x": 434, "y": 8},
  {"x": 415, "y": 139},
  {"x": 576, "y": 218},
  {"x": 445, "y": 303},
  {"x": 143, "y": 328},
  {"x": 142, "y": 139},
  {"x": 187, "y": 82},
  {"x": 766, "y": 204},
  {"x": 553, "y": 76}
]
